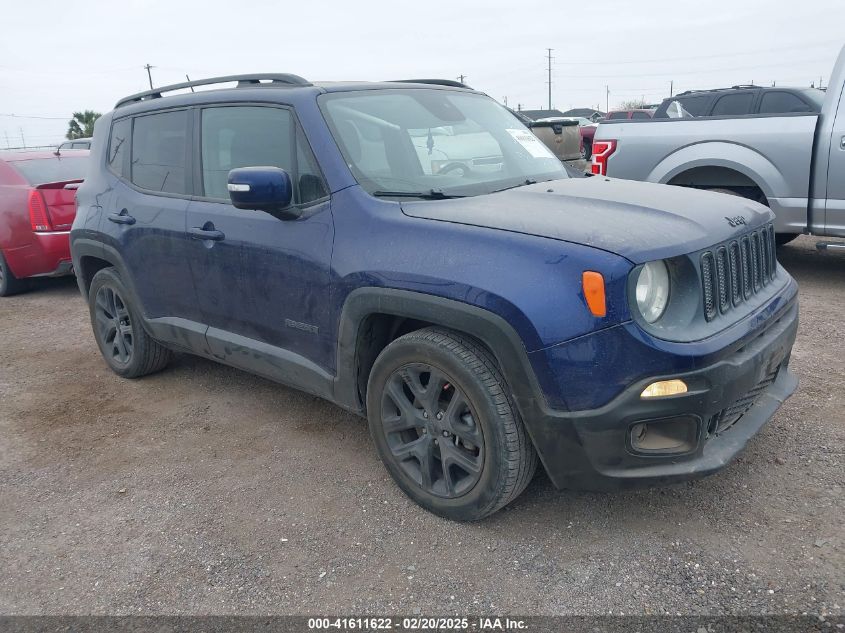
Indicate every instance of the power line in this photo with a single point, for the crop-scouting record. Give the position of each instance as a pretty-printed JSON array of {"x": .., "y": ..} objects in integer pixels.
[
  {"x": 33, "y": 116},
  {"x": 696, "y": 72},
  {"x": 680, "y": 59}
]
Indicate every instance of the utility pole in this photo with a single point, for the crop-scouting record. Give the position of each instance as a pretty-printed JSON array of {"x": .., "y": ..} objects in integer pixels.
[
  {"x": 607, "y": 98},
  {"x": 506, "y": 101},
  {"x": 671, "y": 88},
  {"x": 149, "y": 75},
  {"x": 6, "y": 134},
  {"x": 461, "y": 78},
  {"x": 23, "y": 140},
  {"x": 550, "y": 76}
]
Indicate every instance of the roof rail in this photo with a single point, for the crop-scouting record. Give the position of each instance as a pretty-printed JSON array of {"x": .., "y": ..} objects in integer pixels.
[
  {"x": 243, "y": 81},
  {"x": 434, "y": 82},
  {"x": 739, "y": 87}
]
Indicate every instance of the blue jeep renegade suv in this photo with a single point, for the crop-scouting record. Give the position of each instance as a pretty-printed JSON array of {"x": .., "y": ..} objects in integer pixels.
[{"x": 411, "y": 252}]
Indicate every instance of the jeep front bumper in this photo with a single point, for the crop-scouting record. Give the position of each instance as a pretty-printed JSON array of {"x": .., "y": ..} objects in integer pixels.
[{"x": 727, "y": 403}]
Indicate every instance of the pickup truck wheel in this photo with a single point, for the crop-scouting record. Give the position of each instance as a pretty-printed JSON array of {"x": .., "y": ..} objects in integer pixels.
[
  {"x": 445, "y": 427},
  {"x": 586, "y": 150},
  {"x": 9, "y": 284},
  {"x": 127, "y": 348}
]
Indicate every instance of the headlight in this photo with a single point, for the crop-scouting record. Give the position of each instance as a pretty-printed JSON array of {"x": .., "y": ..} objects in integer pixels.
[{"x": 653, "y": 290}]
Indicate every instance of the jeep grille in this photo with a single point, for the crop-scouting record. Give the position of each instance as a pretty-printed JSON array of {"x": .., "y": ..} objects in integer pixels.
[{"x": 737, "y": 270}]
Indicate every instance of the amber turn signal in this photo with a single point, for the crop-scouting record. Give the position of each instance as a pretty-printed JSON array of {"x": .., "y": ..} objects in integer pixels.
[
  {"x": 593, "y": 284},
  {"x": 663, "y": 388}
]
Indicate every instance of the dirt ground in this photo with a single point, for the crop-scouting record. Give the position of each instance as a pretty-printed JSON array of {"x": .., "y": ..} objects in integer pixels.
[{"x": 207, "y": 490}]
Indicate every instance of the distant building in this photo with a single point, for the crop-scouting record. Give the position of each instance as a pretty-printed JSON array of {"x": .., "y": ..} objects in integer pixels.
[
  {"x": 541, "y": 114},
  {"x": 587, "y": 113}
]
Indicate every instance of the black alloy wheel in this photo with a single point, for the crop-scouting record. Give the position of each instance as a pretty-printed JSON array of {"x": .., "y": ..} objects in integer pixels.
[{"x": 431, "y": 430}]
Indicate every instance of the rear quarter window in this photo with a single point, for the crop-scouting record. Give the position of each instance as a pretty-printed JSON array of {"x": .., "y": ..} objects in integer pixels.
[
  {"x": 117, "y": 158},
  {"x": 780, "y": 102}
]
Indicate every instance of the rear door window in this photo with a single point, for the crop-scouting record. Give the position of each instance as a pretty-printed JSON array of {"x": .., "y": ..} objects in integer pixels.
[
  {"x": 159, "y": 152},
  {"x": 779, "y": 102},
  {"x": 735, "y": 104},
  {"x": 640, "y": 115}
]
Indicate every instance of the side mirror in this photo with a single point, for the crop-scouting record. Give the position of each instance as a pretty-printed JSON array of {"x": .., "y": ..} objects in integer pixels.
[{"x": 266, "y": 189}]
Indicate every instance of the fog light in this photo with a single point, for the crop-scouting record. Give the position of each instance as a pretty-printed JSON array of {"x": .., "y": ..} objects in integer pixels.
[
  {"x": 669, "y": 435},
  {"x": 663, "y": 388}
]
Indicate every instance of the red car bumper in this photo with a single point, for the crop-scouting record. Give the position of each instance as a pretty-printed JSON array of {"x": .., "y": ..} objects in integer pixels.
[{"x": 46, "y": 255}]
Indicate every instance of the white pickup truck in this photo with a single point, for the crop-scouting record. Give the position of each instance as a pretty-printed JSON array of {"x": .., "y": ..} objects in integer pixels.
[{"x": 793, "y": 162}]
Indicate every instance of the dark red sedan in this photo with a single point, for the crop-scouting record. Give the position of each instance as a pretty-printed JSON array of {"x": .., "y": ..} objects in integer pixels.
[{"x": 37, "y": 208}]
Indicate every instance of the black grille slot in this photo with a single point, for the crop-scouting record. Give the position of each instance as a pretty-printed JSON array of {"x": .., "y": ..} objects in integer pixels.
[
  {"x": 736, "y": 273},
  {"x": 737, "y": 270},
  {"x": 773, "y": 259},
  {"x": 745, "y": 252},
  {"x": 764, "y": 256},
  {"x": 755, "y": 261},
  {"x": 728, "y": 416},
  {"x": 708, "y": 279},
  {"x": 722, "y": 279}
]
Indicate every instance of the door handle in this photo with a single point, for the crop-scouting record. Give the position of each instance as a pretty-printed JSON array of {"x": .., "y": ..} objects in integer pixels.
[
  {"x": 842, "y": 143},
  {"x": 121, "y": 218},
  {"x": 206, "y": 232}
]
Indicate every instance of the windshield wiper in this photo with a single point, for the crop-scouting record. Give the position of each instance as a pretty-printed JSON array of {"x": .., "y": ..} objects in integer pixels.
[
  {"x": 528, "y": 181},
  {"x": 431, "y": 194}
]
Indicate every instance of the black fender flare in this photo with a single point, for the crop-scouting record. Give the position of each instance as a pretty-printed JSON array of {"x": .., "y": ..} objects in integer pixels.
[
  {"x": 84, "y": 247},
  {"x": 489, "y": 328}
]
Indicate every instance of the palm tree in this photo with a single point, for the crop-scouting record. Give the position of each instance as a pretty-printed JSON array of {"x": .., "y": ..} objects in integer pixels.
[{"x": 82, "y": 124}]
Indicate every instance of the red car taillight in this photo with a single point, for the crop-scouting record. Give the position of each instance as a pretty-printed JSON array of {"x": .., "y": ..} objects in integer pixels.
[
  {"x": 39, "y": 216},
  {"x": 601, "y": 152}
]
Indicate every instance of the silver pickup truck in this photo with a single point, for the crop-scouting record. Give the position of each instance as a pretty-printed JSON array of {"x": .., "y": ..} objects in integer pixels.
[{"x": 794, "y": 162}]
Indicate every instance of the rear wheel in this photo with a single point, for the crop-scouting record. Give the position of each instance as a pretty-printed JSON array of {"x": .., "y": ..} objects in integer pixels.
[
  {"x": 780, "y": 238},
  {"x": 586, "y": 150},
  {"x": 9, "y": 284},
  {"x": 127, "y": 348},
  {"x": 445, "y": 427}
]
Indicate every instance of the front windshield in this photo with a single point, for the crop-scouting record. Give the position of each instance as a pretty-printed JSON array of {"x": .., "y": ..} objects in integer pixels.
[{"x": 419, "y": 141}]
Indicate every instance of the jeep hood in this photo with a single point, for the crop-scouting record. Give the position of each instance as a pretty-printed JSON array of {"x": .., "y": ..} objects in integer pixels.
[{"x": 640, "y": 221}]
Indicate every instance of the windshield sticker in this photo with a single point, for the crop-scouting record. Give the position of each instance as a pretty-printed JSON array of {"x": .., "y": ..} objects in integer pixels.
[{"x": 531, "y": 143}]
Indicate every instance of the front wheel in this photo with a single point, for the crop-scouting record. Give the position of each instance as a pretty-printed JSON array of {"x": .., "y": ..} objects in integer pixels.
[
  {"x": 127, "y": 348},
  {"x": 445, "y": 427}
]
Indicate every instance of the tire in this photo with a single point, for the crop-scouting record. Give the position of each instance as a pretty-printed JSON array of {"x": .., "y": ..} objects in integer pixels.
[
  {"x": 780, "y": 238},
  {"x": 587, "y": 151},
  {"x": 727, "y": 192},
  {"x": 124, "y": 343},
  {"x": 9, "y": 284},
  {"x": 490, "y": 457}
]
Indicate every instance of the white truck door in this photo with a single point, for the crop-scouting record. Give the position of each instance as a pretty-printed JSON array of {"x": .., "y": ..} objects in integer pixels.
[{"x": 835, "y": 205}]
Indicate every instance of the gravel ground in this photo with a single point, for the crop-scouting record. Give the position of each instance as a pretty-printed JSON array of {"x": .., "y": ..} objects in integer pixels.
[{"x": 206, "y": 490}]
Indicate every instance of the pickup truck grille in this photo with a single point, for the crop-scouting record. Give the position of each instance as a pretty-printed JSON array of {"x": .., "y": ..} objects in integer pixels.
[{"x": 737, "y": 270}]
